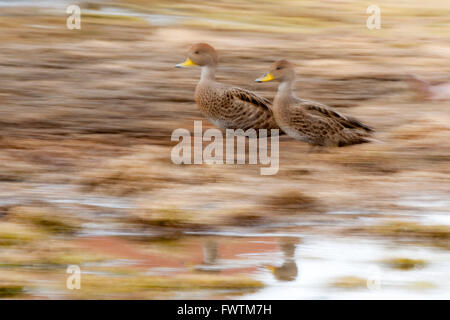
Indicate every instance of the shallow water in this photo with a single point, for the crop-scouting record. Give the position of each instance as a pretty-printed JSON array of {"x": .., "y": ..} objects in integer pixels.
[
  {"x": 292, "y": 263},
  {"x": 155, "y": 19},
  {"x": 57, "y": 4},
  {"x": 321, "y": 260}
]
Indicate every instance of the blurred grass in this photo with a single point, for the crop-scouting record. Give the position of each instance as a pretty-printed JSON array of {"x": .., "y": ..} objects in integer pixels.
[
  {"x": 349, "y": 283},
  {"x": 294, "y": 16},
  {"x": 10, "y": 291}
]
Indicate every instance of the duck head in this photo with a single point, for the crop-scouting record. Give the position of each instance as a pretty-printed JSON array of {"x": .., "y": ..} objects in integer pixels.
[
  {"x": 281, "y": 71},
  {"x": 200, "y": 54}
]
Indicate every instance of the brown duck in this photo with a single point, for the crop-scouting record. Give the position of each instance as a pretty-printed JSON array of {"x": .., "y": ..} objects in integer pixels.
[
  {"x": 308, "y": 121},
  {"x": 225, "y": 106}
]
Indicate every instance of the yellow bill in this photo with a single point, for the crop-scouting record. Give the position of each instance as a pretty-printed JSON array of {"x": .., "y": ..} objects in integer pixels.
[
  {"x": 271, "y": 268},
  {"x": 266, "y": 77},
  {"x": 187, "y": 63}
]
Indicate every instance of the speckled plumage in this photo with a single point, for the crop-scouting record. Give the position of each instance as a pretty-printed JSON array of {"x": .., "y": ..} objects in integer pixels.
[
  {"x": 318, "y": 124},
  {"x": 233, "y": 108},
  {"x": 312, "y": 122},
  {"x": 227, "y": 107}
]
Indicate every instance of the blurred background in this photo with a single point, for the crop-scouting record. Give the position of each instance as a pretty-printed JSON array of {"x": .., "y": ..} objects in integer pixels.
[{"x": 86, "y": 177}]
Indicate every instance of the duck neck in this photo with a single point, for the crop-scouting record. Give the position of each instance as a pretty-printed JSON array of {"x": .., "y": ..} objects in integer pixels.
[
  {"x": 286, "y": 89},
  {"x": 208, "y": 73}
]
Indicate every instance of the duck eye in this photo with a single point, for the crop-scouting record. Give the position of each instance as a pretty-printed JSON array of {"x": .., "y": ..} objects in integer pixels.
[
  {"x": 278, "y": 68},
  {"x": 196, "y": 52}
]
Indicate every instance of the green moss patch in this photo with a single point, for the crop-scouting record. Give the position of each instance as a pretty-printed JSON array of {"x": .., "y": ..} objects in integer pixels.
[{"x": 404, "y": 263}]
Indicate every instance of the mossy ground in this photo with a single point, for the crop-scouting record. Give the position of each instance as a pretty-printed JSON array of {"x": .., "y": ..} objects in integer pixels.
[{"x": 404, "y": 263}]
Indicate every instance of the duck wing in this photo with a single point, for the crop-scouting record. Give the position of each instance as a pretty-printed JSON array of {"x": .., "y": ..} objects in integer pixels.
[
  {"x": 318, "y": 125},
  {"x": 328, "y": 112},
  {"x": 251, "y": 110},
  {"x": 253, "y": 100}
]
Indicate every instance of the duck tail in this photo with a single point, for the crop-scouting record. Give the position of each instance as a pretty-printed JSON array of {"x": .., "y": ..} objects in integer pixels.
[
  {"x": 358, "y": 124},
  {"x": 360, "y": 140}
]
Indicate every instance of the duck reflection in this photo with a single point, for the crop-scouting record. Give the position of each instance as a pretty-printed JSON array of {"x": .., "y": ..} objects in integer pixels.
[
  {"x": 231, "y": 257},
  {"x": 288, "y": 271},
  {"x": 210, "y": 252}
]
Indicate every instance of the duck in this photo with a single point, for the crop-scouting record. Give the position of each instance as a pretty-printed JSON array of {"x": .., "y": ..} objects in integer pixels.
[
  {"x": 308, "y": 121},
  {"x": 225, "y": 106}
]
